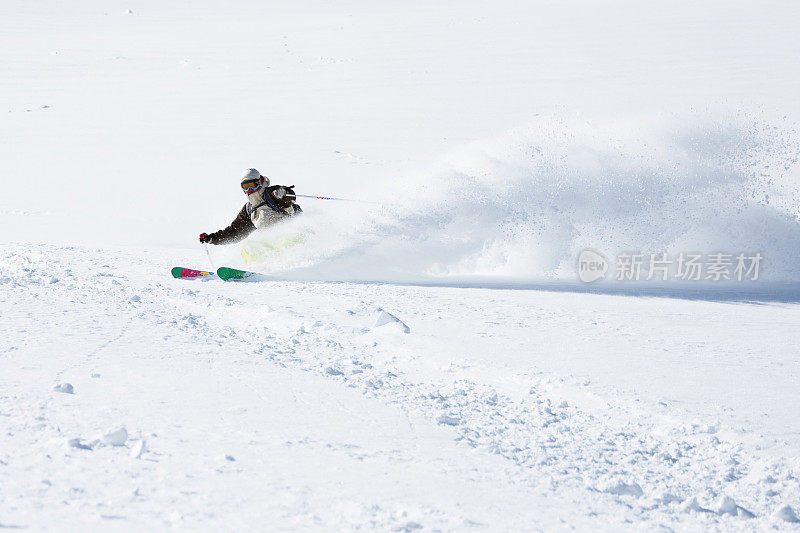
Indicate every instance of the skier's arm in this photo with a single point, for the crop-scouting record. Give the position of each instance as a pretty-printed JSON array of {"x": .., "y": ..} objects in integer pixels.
[{"x": 240, "y": 228}]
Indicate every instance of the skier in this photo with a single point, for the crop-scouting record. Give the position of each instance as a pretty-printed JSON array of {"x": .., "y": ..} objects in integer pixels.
[{"x": 265, "y": 206}]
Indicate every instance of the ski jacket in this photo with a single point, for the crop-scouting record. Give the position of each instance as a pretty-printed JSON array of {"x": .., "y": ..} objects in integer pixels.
[{"x": 253, "y": 217}]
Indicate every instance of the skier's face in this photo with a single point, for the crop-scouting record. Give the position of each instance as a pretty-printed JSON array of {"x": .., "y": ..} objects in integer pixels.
[{"x": 251, "y": 186}]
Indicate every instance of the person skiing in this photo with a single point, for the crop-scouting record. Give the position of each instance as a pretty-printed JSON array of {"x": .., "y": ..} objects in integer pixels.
[{"x": 265, "y": 206}]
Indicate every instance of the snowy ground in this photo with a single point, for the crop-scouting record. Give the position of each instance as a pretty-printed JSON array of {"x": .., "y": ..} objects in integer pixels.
[
  {"x": 283, "y": 404},
  {"x": 494, "y": 142}
]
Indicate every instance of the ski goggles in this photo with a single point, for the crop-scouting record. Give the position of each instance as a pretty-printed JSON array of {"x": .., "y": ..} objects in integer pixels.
[{"x": 250, "y": 186}]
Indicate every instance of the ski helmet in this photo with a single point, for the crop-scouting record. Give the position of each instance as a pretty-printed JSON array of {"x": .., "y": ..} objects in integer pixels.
[{"x": 252, "y": 180}]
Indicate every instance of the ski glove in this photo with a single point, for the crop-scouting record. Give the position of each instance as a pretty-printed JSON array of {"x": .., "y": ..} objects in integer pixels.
[
  {"x": 284, "y": 196},
  {"x": 204, "y": 238}
]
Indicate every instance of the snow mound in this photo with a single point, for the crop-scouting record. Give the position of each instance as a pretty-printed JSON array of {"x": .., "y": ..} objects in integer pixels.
[
  {"x": 786, "y": 513},
  {"x": 138, "y": 448},
  {"x": 116, "y": 437},
  {"x": 692, "y": 505},
  {"x": 78, "y": 444},
  {"x": 386, "y": 317},
  {"x": 622, "y": 488},
  {"x": 333, "y": 371},
  {"x": 66, "y": 388},
  {"x": 728, "y": 506}
]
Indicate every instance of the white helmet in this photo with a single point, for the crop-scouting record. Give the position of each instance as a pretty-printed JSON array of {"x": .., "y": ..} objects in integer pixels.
[{"x": 253, "y": 174}]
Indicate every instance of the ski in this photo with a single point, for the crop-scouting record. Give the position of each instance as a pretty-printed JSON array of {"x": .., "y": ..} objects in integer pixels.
[
  {"x": 232, "y": 274},
  {"x": 188, "y": 273}
]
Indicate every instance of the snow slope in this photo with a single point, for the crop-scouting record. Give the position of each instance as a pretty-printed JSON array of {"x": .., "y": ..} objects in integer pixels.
[
  {"x": 296, "y": 404},
  {"x": 428, "y": 359},
  {"x": 164, "y": 104}
]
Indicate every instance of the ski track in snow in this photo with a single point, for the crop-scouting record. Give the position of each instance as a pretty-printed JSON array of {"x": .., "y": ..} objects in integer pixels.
[{"x": 280, "y": 401}]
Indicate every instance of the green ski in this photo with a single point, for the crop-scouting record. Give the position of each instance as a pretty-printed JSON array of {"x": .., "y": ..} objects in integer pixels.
[
  {"x": 188, "y": 273},
  {"x": 232, "y": 274}
]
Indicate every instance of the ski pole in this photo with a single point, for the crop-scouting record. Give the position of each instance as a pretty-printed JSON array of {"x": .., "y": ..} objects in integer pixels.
[
  {"x": 213, "y": 268},
  {"x": 329, "y": 198}
]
